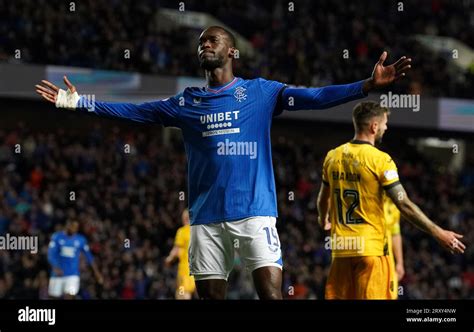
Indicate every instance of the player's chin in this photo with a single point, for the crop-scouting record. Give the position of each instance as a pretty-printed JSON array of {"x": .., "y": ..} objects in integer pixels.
[{"x": 210, "y": 63}]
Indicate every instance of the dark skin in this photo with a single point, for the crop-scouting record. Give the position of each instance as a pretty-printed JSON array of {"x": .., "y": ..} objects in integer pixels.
[
  {"x": 214, "y": 47},
  {"x": 216, "y": 53}
]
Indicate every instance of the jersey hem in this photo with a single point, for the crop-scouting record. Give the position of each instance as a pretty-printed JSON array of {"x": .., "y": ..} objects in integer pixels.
[{"x": 234, "y": 218}]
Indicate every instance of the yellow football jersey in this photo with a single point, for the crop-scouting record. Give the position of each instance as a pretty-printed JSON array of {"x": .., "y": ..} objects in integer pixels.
[
  {"x": 357, "y": 173},
  {"x": 183, "y": 236}
]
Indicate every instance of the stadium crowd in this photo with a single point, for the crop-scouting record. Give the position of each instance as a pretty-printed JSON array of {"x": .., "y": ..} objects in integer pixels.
[
  {"x": 305, "y": 46},
  {"x": 129, "y": 189}
]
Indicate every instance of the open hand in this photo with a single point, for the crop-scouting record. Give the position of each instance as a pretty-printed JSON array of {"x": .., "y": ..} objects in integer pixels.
[
  {"x": 49, "y": 91},
  {"x": 383, "y": 76}
]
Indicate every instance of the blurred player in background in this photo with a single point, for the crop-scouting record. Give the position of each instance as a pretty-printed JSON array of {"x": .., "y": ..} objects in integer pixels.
[
  {"x": 395, "y": 245},
  {"x": 185, "y": 286},
  {"x": 64, "y": 253},
  {"x": 226, "y": 130},
  {"x": 350, "y": 203}
]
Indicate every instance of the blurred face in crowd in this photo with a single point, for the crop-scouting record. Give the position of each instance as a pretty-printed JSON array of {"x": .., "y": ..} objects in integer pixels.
[
  {"x": 72, "y": 227},
  {"x": 215, "y": 49},
  {"x": 185, "y": 217}
]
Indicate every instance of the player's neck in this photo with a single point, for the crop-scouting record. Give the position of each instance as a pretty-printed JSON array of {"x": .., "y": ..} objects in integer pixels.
[
  {"x": 219, "y": 76},
  {"x": 364, "y": 138}
]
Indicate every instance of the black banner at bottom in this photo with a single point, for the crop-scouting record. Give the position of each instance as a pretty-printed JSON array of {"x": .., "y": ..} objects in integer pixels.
[{"x": 139, "y": 315}]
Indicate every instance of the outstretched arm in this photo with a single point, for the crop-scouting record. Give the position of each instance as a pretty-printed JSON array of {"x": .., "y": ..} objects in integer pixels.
[
  {"x": 293, "y": 99},
  {"x": 163, "y": 111},
  {"x": 410, "y": 211}
]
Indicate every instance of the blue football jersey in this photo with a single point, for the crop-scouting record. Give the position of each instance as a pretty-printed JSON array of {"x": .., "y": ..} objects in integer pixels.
[
  {"x": 64, "y": 252},
  {"x": 226, "y": 132}
]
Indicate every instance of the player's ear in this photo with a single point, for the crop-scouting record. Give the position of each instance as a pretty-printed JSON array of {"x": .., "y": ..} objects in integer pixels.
[
  {"x": 374, "y": 126},
  {"x": 233, "y": 53}
]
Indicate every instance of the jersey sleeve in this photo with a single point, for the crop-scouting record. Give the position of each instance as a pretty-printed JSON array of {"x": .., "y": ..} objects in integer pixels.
[
  {"x": 272, "y": 91},
  {"x": 179, "y": 239},
  {"x": 325, "y": 176},
  {"x": 165, "y": 112},
  {"x": 395, "y": 229},
  {"x": 387, "y": 172},
  {"x": 86, "y": 251},
  {"x": 295, "y": 99},
  {"x": 53, "y": 251}
]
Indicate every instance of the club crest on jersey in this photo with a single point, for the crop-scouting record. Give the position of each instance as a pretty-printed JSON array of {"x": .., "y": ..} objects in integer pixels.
[
  {"x": 196, "y": 100},
  {"x": 240, "y": 94}
]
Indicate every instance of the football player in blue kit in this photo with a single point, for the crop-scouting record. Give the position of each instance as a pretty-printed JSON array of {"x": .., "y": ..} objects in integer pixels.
[
  {"x": 64, "y": 253},
  {"x": 226, "y": 130}
]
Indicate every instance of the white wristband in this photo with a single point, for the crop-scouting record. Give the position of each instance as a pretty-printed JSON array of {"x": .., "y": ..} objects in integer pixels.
[{"x": 66, "y": 99}]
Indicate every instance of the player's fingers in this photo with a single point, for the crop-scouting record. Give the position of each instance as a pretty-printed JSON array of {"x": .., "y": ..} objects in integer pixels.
[
  {"x": 402, "y": 63},
  {"x": 42, "y": 92},
  {"x": 399, "y": 76},
  {"x": 382, "y": 58},
  {"x": 48, "y": 98},
  {"x": 459, "y": 236},
  {"x": 399, "y": 61},
  {"x": 404, "y": 69},
  {"x": 50, "y": 85},
  {"x": 44, "y": 89},
  {"x": 69, "y": 85}
]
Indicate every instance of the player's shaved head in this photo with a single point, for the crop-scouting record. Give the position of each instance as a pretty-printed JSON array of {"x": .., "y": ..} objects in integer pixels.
[
  {"x": 364, "y": 112},
  {"x": 229, "y": 35}
]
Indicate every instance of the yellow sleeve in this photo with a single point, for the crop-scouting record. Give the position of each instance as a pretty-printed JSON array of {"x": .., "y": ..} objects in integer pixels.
[
  {"x": 325, "y": 168},
  {"x": 179, "y": 240},
  {"x": 387, "y": 171},
  {"x": 395, "y": 229}
]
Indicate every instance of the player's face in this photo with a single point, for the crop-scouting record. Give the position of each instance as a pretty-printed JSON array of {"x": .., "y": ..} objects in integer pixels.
[
  {"x": 213, "y": 49},
  {"x": 382, "y": 127},
  {"x": 73, "y": 227}
]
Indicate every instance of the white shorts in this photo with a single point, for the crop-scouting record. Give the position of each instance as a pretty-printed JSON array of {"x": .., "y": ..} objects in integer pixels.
[
  {"x": 59, "y": 286},
  {"x": 212, "y": 246}
]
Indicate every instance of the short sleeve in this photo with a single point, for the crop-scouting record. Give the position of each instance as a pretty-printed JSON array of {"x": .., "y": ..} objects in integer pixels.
[
  {"x": 325, "y": 168},
  {"x": 395, "y": 229},
  {"x": 387, "y": 172}
]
